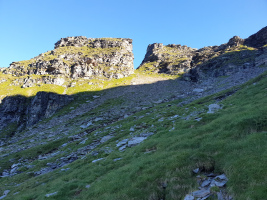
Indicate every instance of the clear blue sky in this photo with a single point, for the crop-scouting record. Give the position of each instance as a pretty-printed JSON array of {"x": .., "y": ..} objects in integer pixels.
[{"x": 31, "y": 27}]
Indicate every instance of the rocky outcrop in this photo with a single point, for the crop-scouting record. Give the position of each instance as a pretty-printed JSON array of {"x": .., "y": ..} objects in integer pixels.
[
  {"x": 258, "y": 39},
  {"x": 213, "y": 61},
  {"x": 80, "y": 57},
  {"x": 19, "y": 112},
  {"x": 171, "y": 59},
  {"x": 44, "y": 105}
]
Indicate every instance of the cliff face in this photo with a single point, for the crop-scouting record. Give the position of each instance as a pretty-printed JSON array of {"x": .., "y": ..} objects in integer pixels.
[
  {"x": 18, "y": 112},
  {"x": 214, "y": 61},
  {"x": 80, "y": 57}
]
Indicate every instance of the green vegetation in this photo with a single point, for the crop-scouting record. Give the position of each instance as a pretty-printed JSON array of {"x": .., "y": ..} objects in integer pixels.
[
  {"x": 240, "y": 48},
  {"x": 235, "y": 55},
  {"x": 149, "y": 67},
  {"x": 9, "y": 131},
  {"x": 25, "y": 63},
  {"x": 9, "y": 89},
  {"x": 231, "y": 141}
]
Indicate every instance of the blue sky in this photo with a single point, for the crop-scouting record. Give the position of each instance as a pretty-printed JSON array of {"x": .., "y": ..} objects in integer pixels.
[{"x": 31, "y": 27}]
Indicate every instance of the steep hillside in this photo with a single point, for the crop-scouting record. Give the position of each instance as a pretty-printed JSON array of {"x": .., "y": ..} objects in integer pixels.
[
  {"x": 160, "y": 133},
  {"x": 109, "y": 150}
]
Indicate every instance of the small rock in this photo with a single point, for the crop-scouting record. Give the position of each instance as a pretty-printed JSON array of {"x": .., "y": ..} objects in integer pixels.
[
  {"x": 65, "y": 144},
  {"x": 15, "y": 165},
  {"x": 146, "y": 134},
  {"x": 221, "y": 177},
  {"x": 122, "y": 148},
  {"x": 5, "y": 173},
  {"x": 94, "y": 153},
  {"x": 16, "y": 193},
  {"x": 87, "y": 125},
  {"x": 123, "y": 142},
  {"x": 220, "y": 184},
  {"x": 51, "y": 194},
  {"x": 106, "y": 138},
  {"x": 175, "y": 116},
  {"x": 5, "y": 194},
  {"x": 108, "y": 150},
  {"x": 198, "y": 90},
  {"x": 161, "y": 119},
  {"x": 116, "y": 159},
  {"x": 198, "y": 119},
  {"x": 95, "y": 96},
  {"x": 189, "y": 197},
  {"x": 205, "y": 183},
  {"x": 211, "y": 175},
  {"x": 196, "y": 170},
  {"x": 132, "y": 129},
  {"x": 212, "y": 184},
  {"x": 135, "y": 141},
  {"x": 213, "y": 108},
  {"x": 201, "y": 193},
  {"x": 158, "y": 102},
  {"x": 98, "y": 119},
  {"x": 97, "y": 160},
  {"x": 83, "y": 142},
  {"x": 220, "y": 180}
]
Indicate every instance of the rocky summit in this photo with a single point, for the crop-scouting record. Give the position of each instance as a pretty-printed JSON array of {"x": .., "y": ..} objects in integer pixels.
[
  {"x": 235, "y": 55},
  {"x": 78, "y": 57},
  {"x": 78, "y": 122}
]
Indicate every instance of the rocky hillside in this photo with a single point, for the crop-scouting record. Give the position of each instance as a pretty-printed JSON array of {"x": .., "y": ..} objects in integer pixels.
[
  {"x": 151, "y": 135},
  {"x": 235, "y": 55},
  {"x": 76, "y": 64}
]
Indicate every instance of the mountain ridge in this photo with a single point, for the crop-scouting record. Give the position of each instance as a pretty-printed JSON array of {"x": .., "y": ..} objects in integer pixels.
[
  {"x": 149, "y": 136},
  {"x": 177, "y": 59}
]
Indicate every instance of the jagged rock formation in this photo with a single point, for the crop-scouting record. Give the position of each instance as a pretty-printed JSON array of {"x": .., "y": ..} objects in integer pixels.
[
  {"x": 236, "y": 55},
  {"x": 80, "y": 57},
  {"x": 18, "y": 112}
]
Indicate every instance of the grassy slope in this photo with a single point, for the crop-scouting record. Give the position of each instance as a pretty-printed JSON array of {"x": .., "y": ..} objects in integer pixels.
[
  {"x": 82, "y": 85},
  {"x": 232, "y": 141}
]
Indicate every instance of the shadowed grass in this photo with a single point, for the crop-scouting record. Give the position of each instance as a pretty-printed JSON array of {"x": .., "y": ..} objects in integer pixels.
[{"x": 231, "y": 141}]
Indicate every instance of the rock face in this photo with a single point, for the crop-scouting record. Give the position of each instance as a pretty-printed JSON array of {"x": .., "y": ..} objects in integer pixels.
[
  {"x": 20, "y": 112},
  {"x": 80, "y": 57},
  {"x": 213, "y": 61},
  {"x": 172, "y": 59},
  {"x": 258, "y": 39}
]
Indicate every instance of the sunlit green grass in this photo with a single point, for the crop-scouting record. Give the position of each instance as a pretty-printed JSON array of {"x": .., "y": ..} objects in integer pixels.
[{"x": 231, "y": 141}]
